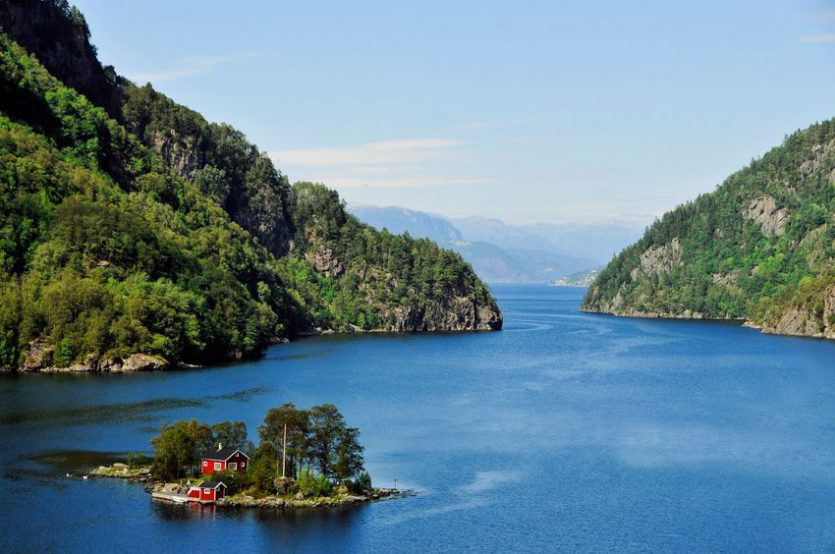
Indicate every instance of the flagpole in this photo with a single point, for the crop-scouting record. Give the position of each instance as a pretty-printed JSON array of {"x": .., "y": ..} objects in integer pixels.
[{"x": 284, "y": 453}]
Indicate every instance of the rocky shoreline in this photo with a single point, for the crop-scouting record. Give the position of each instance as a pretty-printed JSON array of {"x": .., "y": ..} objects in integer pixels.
[
  {"x": 39, "y": 352},
  {"x": 793, "y": 330},
  {"x": 142, "y": 475}
]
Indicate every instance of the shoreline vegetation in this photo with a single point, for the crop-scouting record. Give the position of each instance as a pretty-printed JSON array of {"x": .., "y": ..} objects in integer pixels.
[
  {"x": 141, "y": 362},
  {"x": 341, "y": 495},
  {"x": 304, "y": 459}
]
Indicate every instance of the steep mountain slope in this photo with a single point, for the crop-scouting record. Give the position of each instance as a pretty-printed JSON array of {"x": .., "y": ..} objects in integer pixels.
[
  {"x": 528, "y": 259},
  {"x": 759, "y": 248},
  {"x": 191, "y": 247}
]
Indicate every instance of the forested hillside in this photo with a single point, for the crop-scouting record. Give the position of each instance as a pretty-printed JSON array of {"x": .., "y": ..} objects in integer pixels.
[
  {"x": 760, "y": 248},
  {"x": 134, "y": 234}
]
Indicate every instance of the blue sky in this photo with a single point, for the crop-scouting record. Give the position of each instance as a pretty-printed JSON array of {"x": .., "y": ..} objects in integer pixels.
[{"x": 584, "y": 111}]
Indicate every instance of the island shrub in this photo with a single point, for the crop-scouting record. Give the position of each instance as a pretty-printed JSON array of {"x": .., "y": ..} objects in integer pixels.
[
  {"x": 235, "y": 481},
  {"x": 137, "y": 459},
  {"x": 264, "y": 469},
  {"x": 313, "y": 485},
  {"x": 363, "y": 482}
]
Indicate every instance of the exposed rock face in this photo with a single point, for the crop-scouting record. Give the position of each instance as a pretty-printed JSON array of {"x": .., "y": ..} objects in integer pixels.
[
  {"x": 797, "y": 322},
  {"x": 726, "y": 279},
  {"x": 802, "y": 321},
  {"x": 658, "y": 259},
  {"x": 763, "y": 210},
  {"x": 135, "y": 362},
  {"x": 829, "y": 315},
  {"x": 324, "y": 260},
  {"x": 37, "y": 355},
  {"x": 820, "y": 152},
  {"x": 39, "y": 358},
  {"x": 457, "y": 314},
  {"x": 182, "y": 153}
]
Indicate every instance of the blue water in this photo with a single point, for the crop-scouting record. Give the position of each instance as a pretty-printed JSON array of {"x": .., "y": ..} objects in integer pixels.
[{"x": 565, "y": 431}]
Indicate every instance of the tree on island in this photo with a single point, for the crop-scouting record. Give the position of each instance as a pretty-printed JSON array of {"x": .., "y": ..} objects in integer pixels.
[
  {"x": 231, "y": 433},
  {"x": 177, "y": 448},
  {"x": 315, "y": 448},
  {"x": 272, "y": 435},
  {"x": 318, "y": 437},
  {"x": 334, "y": 448}
]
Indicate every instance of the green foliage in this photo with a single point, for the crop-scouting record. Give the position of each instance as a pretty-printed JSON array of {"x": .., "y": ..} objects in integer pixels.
[
  {"x": 235, "y": 481},
  {"x": 137, "y": 459},
  {"x": 318, "y": 437},
  {"x": 177, "y": 449},
  {"x": 232, "y": 434},
  {"x": 731, "y": 266},
  {"x": 264, "y": 468},
  {"x": 313, "y": 485},
  {"x": 361, "y": 484},
  {"x": 271, "y": 433},
  {"x": 332, "y": 445}
]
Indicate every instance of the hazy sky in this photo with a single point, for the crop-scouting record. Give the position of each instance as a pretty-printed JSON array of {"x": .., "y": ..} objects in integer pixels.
[{"x": 529, "y": 111}]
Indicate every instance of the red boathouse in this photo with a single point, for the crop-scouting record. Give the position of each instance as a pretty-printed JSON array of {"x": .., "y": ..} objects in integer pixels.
[
  {"x": 207, "y": 491},
  {"x": 223, "y": 458}
]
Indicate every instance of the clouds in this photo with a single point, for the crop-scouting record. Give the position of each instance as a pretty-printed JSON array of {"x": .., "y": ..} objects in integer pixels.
[
  {"x": 400, "y": 163},
  {"x": 376, "y": 154},
  {"x": 189, "y": 67},
  {"x": 817, "y": 39},
  {"x": 820, "y": 38}
]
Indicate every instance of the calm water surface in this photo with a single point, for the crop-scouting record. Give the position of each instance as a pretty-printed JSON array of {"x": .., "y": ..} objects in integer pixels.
[{"x": 565, "y": 431}]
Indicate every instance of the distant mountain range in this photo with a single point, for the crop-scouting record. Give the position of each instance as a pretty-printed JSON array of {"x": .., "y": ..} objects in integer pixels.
[{"x": 504, "y": 253}]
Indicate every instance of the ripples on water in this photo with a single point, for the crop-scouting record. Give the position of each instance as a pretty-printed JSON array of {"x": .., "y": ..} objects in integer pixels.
[{"x": 565, "y": 431}]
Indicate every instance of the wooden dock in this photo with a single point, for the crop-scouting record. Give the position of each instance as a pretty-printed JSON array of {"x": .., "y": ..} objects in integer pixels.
[
  {"x": 174, "y": 497},
  {"x": 178, "y": 498}
]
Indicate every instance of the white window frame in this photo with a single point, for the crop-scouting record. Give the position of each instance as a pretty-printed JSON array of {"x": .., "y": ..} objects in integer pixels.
[
  {"x": 218, "y": 466},
  {"x": 233, "y": 466}
]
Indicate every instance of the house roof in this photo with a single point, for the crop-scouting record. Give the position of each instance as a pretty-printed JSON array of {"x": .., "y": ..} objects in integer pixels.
[
  {"x": 211, "y": 485},
  {"x": 222, "y": 454}
]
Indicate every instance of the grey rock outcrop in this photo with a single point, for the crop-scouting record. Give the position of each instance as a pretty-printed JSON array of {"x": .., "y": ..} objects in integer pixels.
[
  {"x": 658, "y": 259},
  {"x": 764, "y": 211}
]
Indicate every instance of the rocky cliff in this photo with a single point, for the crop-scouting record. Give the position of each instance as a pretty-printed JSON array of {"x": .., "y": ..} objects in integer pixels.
[{"x": 761, "y": 248}]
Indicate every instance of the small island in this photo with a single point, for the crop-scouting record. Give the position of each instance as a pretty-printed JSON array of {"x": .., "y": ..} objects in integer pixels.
[{"x": 304, "y": 459}]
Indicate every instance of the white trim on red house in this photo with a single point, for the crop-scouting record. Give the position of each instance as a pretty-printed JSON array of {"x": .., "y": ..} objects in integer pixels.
[{"x": 238, "y": 451}]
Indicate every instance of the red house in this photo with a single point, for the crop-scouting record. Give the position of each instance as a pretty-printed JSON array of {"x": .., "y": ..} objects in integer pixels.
[
  {"x": 223, "y": 458},
  {"x": 207, "y": 491}
]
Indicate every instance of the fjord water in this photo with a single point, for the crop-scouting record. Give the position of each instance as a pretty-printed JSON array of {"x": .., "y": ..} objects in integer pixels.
[{"x": 565, "y": 431}]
